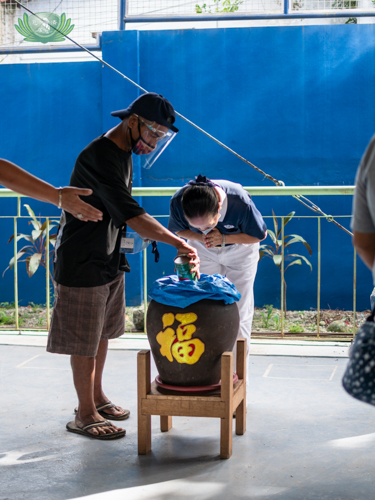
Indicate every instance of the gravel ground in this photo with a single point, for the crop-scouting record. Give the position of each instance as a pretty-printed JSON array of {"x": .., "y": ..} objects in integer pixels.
[{"x": 332, "y": 322}]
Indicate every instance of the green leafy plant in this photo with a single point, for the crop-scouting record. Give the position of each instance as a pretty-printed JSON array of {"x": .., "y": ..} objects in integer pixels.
[
  {"x": 277, "y": 321},
  {"x": 267, "y": 316},
  {"x": 7, "y": 305},
  {"x": 296, "y": 328},
  {"x": 346, "y": 4},
  {"x": 35, "y": 307},
  {"x": 35, "y": 253},
  {"x": 6, "y": 319},
  {"x": 40, "y": 321},
  {"x": 274, "y": 251},
  {"x": 219, "y": 6},
  {"x": 338, "y": 4}
]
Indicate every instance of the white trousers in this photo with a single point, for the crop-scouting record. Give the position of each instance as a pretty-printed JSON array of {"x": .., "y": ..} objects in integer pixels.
[{"x": 239, "y": 264}]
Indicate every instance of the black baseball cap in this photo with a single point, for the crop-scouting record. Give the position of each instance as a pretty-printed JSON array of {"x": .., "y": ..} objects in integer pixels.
[{"x": 153, "y": 107}]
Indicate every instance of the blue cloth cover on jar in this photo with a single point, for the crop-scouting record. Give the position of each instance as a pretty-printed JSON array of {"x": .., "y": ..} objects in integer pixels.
[{"x": 169, "y": 290}]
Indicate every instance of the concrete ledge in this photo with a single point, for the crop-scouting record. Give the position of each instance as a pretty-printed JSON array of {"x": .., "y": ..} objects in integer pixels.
[{"x": 263, "y": 347}]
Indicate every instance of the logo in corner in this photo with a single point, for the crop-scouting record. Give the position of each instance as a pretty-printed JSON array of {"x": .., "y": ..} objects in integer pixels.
[{"x": 44, "y": 27}]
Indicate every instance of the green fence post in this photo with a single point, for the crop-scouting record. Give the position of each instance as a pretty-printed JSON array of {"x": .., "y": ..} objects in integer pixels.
[
  {"x": 282, "y": 277},
  {"x": 319, "y": 277},
  {"x": 354, "y": 291},
  {"x": 47, "y": 273},
  {"x": 15, "y": 273},
  {"x": 144, "y": 288}
]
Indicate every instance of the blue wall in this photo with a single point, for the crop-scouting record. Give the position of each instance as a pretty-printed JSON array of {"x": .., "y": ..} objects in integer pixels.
[
  {"x": 296, "y": 101},
  {"x": 49, "y": 112}
]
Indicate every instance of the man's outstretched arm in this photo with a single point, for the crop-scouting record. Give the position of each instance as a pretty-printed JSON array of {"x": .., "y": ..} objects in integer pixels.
[{"x": 15, "y": 178}]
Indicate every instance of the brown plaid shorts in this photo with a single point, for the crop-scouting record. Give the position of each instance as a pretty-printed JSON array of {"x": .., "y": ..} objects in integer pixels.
[{"x": 82, "y": 317}]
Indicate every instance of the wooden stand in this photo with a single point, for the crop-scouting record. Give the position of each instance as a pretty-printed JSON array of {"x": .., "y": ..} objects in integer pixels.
[{"x": 219, "y": 404}]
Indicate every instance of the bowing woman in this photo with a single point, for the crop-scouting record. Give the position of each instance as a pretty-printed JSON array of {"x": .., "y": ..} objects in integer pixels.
[{"x": 221, "y": 221}]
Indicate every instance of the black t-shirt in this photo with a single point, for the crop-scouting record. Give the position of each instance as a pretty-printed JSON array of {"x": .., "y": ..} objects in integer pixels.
[{"x": 88, "y": 254}]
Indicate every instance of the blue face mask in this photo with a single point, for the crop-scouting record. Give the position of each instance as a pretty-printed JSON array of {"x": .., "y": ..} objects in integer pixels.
[{"x": 206, "y": 231}]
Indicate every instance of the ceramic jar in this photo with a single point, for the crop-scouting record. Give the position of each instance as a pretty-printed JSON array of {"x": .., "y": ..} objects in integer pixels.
[{"x": 187, "y": 343}]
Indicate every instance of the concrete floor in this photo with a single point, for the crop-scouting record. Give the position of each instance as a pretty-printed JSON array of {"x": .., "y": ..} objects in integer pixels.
[{"x": 306, "y": 438}]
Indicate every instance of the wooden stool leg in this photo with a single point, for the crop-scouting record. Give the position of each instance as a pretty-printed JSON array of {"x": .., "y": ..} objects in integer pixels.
[
  {"x": 241, "y": 372},
  {"x": 227, "y": 398},
  {"x": 144, "y": 387},
  {"x": 165, "y": 423}
]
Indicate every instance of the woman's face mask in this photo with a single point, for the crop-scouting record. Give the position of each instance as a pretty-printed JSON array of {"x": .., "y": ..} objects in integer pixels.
[{"x": 206, "y": 223}]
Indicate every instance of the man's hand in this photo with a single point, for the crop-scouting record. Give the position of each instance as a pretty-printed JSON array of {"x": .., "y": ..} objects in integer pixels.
[
  {"x": 213, "y": 239},
  {"x": 72, "y": 203},
  {"x": 191, "y": 252}
]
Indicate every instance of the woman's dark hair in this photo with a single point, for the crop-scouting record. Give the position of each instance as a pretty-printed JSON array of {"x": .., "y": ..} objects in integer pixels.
[{"x": 200, "y": 200}]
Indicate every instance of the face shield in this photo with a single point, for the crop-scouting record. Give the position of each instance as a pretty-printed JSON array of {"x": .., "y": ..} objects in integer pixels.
[{"x": 152, "y": 141}]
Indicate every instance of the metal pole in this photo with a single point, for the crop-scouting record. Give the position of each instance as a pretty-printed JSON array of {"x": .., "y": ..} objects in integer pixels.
[
  {"x": 144, "y": 288},
  {"x": 282, "y": 277},
  {"x": 319, "y": 276},
  {"x": 354, "y": 290},
  {"x": 49, "y": 50},
  {"x": 252, "y": 190},
  {"x": 121, "y": 14},
  {"x": 255, "y": 17},
  {"x": 47, "y": 273},
  {"x": 15, "y": 272}
]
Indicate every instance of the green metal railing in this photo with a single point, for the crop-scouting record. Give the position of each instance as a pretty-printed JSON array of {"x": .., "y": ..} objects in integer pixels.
[{"x": 168, "y": 192}]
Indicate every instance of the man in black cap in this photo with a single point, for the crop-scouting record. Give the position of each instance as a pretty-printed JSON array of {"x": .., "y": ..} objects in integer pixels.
[{"x": 89, "y": 267}]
